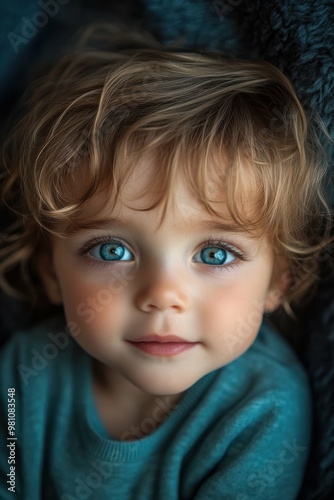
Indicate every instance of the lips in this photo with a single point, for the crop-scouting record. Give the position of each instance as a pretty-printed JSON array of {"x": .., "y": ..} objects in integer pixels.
[
  {"x": 160, "y": 338},
  {"x": 162, "y": 345}
]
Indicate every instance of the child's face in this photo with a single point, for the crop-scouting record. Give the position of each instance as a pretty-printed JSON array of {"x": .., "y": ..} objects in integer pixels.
[{"x": 163, "y": 283}]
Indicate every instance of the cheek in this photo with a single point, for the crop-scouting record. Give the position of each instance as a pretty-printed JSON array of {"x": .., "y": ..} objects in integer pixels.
[
  {"x": 96, "y": 307},
  {"x": 233, "y": 316},
  {"x": 100, "y": 318}
]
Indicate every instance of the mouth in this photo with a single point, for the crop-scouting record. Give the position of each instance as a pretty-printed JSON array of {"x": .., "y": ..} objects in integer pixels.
[{"x": 162, "y": 345}]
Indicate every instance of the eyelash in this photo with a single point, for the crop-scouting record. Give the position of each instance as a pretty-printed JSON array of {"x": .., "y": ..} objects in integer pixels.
[{"x": 83, "y": 251}]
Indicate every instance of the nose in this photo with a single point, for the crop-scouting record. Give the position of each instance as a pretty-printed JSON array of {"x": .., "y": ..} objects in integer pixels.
[{"x": 161, "y": 292}]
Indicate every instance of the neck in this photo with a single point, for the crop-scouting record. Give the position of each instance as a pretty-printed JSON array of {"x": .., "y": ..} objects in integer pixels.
[{"x": 123, "y": 406}]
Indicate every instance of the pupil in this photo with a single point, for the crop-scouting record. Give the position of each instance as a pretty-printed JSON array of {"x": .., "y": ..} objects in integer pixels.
[{"x": 117, "y": 251}]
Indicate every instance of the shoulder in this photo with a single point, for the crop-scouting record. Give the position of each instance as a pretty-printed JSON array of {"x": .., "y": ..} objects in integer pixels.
[
  {"x": 37, "y": 371},
  {"x": 262, "y": 398},
  {"x": 276, "y": 365},
  {"x": 35, "y": 353},
  {"x": 40, "y": 366},
  {"x": 270, "y": 362},
  {"x": 271, "y": 379}
]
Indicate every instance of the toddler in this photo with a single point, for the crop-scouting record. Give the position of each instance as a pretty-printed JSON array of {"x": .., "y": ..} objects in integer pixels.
[{"x": 165, "y": 201}]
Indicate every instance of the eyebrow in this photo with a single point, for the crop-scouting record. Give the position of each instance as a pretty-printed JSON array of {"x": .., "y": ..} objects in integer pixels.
[{"x": 190, "y": 225}]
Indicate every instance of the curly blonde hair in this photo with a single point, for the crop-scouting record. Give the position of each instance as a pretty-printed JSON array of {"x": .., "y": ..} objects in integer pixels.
[{"x": 119, "y": 95}]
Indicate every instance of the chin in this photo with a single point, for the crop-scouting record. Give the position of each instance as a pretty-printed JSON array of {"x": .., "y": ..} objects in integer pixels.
[{"x": 162, "y": 387}]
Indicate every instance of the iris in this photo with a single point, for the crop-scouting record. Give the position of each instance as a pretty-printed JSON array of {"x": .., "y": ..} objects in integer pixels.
[
  {"x": 111, "y": 251},
  {"x": 214, "y": 255}
]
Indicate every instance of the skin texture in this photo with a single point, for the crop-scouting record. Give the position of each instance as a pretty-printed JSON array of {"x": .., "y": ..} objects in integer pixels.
[{"x": 163, "y": 286}]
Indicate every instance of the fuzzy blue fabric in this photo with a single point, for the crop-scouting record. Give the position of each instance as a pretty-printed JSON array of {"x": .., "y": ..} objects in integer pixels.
[
  {"x": 297, "y": 37},
  {"x": 193, "y": 24}
]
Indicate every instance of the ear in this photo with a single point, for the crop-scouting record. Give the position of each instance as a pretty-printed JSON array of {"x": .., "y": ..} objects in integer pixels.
[
  {"x": 45, "y": 268},
  {"x": 278, "y": 286}
]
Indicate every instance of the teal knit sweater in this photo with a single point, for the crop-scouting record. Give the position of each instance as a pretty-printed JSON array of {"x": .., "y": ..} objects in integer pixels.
[{"x": 241, "y": 432}]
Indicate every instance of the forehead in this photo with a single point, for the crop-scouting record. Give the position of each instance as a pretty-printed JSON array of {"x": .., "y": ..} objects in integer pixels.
[
  {"x": 149, "y": 190},
  {"x": 141, "y": 193},
  {"x": 182, "y": 219}
]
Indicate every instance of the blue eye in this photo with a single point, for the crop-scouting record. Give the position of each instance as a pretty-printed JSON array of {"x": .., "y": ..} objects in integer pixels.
[
  {"x": 111, "y": 252},
  {"x": 215, "y": 256}
]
